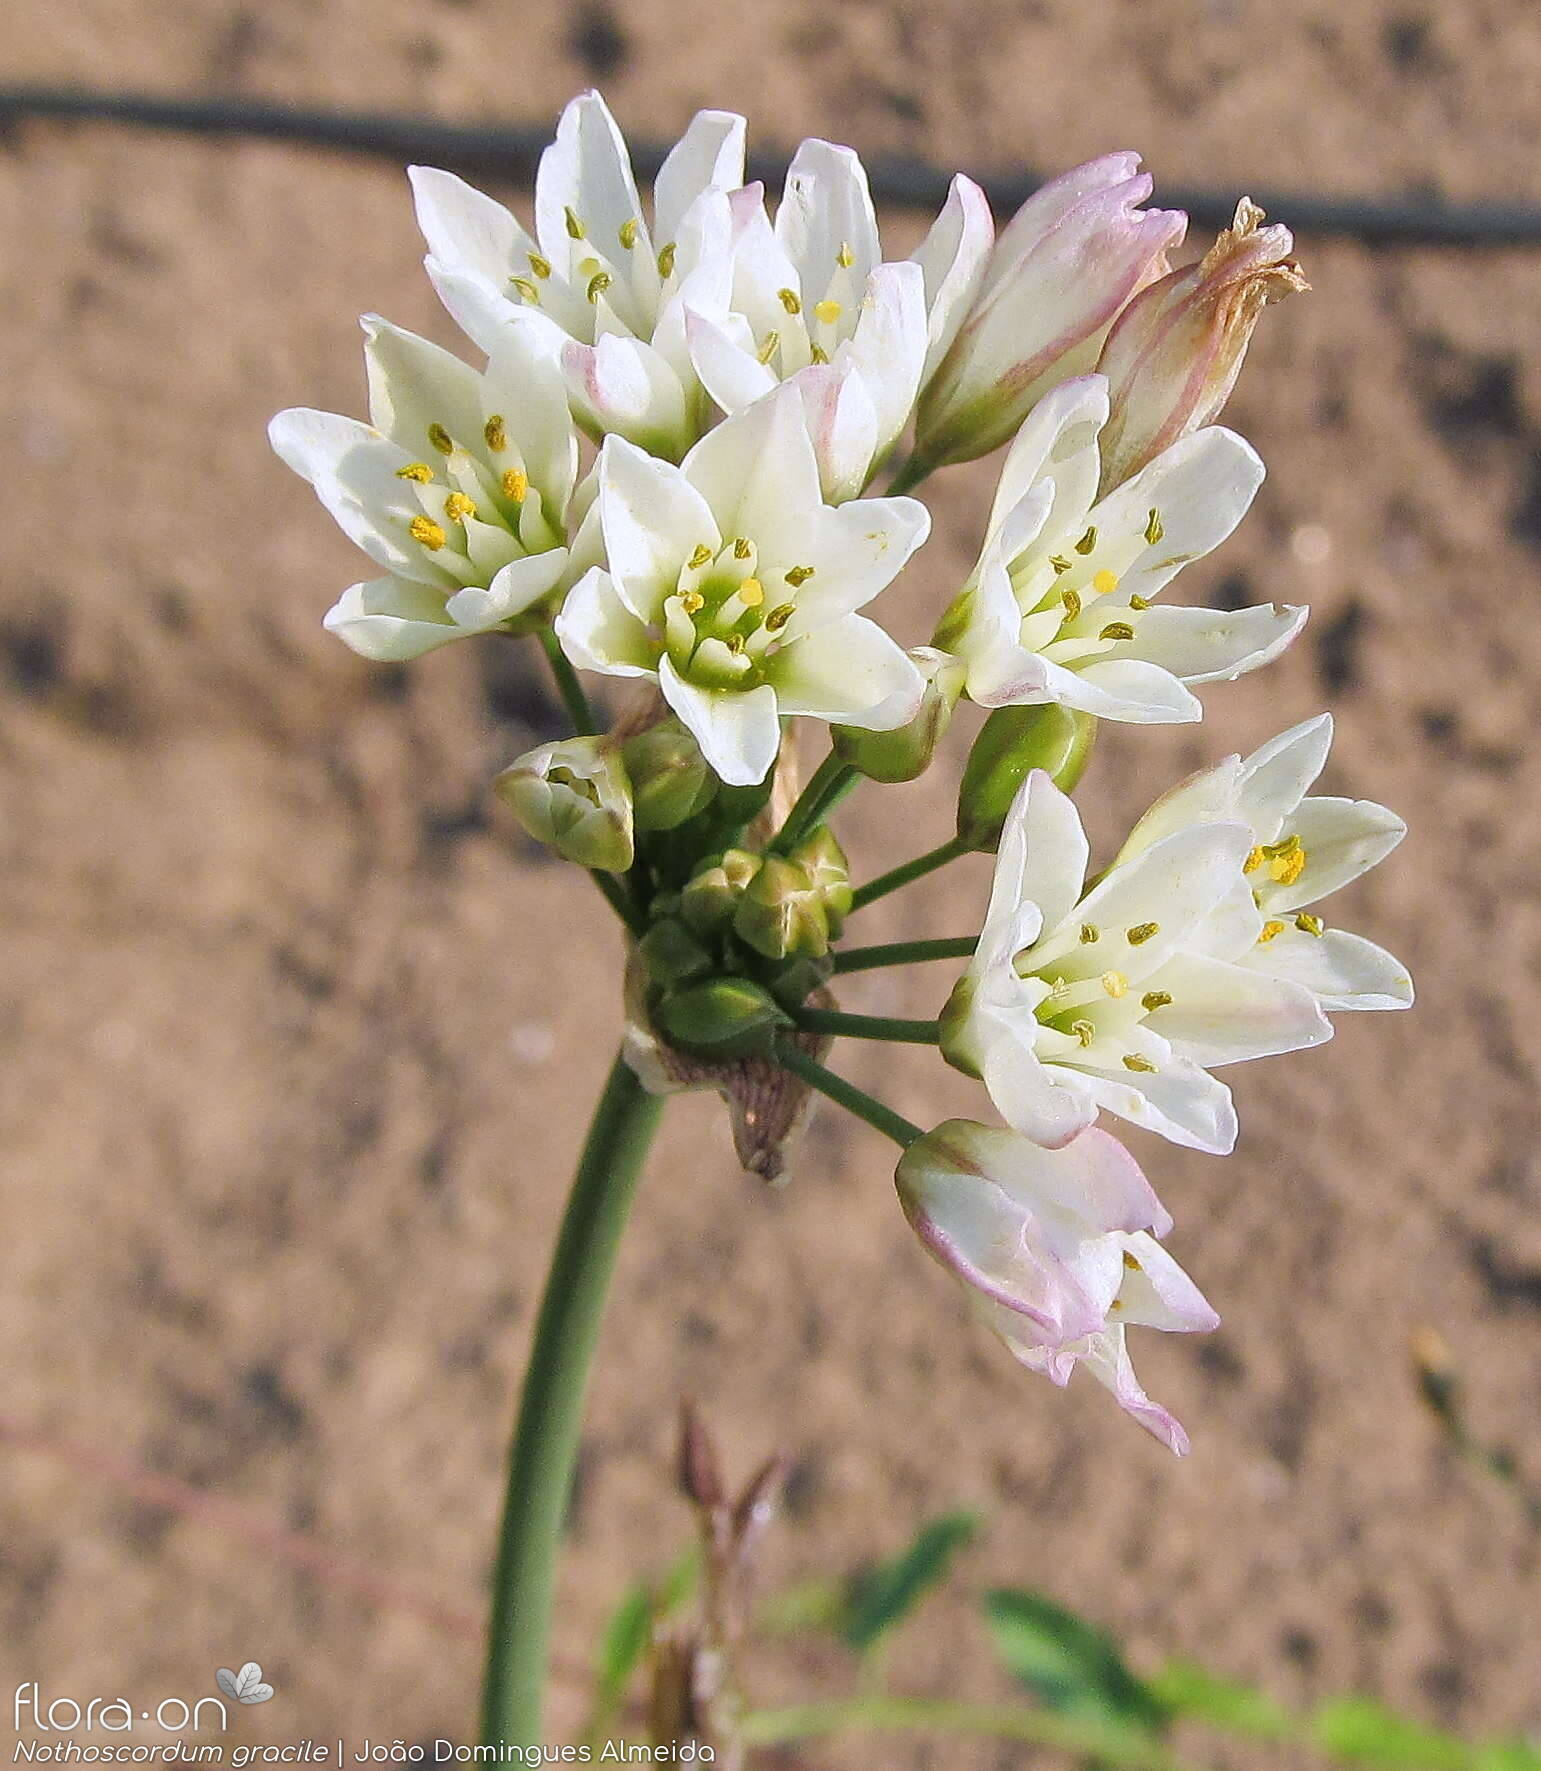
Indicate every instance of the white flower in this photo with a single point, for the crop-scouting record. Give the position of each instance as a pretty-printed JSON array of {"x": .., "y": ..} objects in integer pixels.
[
  {"x": 1074, "y": 1003},
  {"x": 1059, "y": 607},
  {"x": 813, "y": 302},
  {"x": 1060, "y": 272},
  {"x": 602, "y": 290},
  {"x": 732, "y": 582},
  {"x": 461, "y": 488},
  {"x": 1057, "y": 1249},
  {"x": 1302, "y": 849}
]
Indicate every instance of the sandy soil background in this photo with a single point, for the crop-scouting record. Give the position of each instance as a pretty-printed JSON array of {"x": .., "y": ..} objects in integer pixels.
[{"x": 295, "y": 1028}]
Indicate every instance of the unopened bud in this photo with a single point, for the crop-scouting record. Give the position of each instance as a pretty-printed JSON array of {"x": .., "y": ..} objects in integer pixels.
[
  {"x": 672, "y": 954},
  {"x": 575, "y": 797},
  {"x": 1011, "y": 743},
  {"x": 722, "y": 1018},
  {"x": 670, "y": 779},
  {"x": 823, "y": 860},
  {"x": 903, "y": 754},
  {"x": 707, "y": 903},
  {"x": 1173, "y": 355},
  {"x": 781, "y": 913}
]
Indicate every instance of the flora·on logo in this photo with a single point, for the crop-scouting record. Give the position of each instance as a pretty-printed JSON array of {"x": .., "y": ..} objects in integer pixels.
[{"x": 114, "y": 1715}]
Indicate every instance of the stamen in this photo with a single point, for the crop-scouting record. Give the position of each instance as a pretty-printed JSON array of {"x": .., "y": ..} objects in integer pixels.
[
  {"x": 751, "y": 593},
  {"x": 496, "y": 433},
  {"x": 457, "y": 507},
  {"x": 1141, "y": 933},
  {"x": 1089, "y": 933},
  {"x": 1059, "y": 989},
  {"x": 1085, "y": 1031},
  {"x": 1115, "y": 983},
  {"x": 790, "y": 300},
  {"x": 516, "y": 485},
  {"x": 742, "y": 548},
  {"x": 1133, "y": 1061},
  {"x": 627, "y": 233},
  {"x": 1254, "y": 860},
  {"x": 845, "y": 257},
  {"x": 1072, "y": 602},
  {"x": 1309, "y": 924},
  {"x": 799, "y": 575},
  {"x": 598, "y": 284},
  {"x": 827, "y": 312},
  {"x": 1154, "y": 999},
  {"x": 1105, "y": 581},
  {"x": 1271, "y": 928},
  {"x": 441, "y": 439},
  {"x": 1131, "y": 1263},
  {"x": 666, "y": 261},
  {"x": 527, "y": 289},
  {"x": 540, "y": 266},
  {"x": 1138, "y": 602},
  {"x": 1286, "y": 869},
  {"x": 416, "y": 470},
  {"x": 426, "y": 531},
  {"x": 1060, "y": 563},
  {"x": 779, "y": 617},
  {"x": 736, "y": 644},
  {"x": 818, "y": 353},
  {"x": 701, "y": 556},
  {"x": 1117, "y": 630},
  {"x": 771, "y": 345},
  {"x": 1153, "y": 529},
  {"x": 575, "y": 228},
  {"x": 1088, "y": 541},
  {"x": 1287, "y": 846},
  {"x": 692, "y": 602}
]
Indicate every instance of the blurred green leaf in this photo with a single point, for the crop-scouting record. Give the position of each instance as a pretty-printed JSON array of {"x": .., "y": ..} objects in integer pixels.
[
  {"x": 1508, "y": 1755},
  {"x": 880, "y": 1596},
  {"x": 1367, "y": 1733},
  {"x": 817, "y": 1604},
  {"x": 678, "y": 1584},
  {"x": 1071, "y": 1665},
  {"x": 621, "y": 1649},
  {"x": 1185, "y": 1689}
]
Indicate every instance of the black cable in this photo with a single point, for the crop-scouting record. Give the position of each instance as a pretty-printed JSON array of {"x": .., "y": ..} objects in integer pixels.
[{"x": 511, "y": 153}]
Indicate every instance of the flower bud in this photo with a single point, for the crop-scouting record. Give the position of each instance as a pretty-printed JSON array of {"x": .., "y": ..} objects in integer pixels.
[
  {"x": 672, "y": 954},
  {"x": 1058, "y": 276},
  {"x": 1012, "y": 742},
  {"x": 722, "y": 1018},
  {"x": 575, "y": 797},
  {"x": 823, "y": 860},
  {"x": 1173, "y": 354},
  {"x": 781, "y": 912},
  {"x": 903, "y": 754},
  {"x": 707, "y": 903},
  {"x": 670, "y": 780}
]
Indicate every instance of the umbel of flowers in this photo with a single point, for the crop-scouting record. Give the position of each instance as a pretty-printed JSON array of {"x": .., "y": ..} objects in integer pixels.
[{"x": 686, "y": 456}]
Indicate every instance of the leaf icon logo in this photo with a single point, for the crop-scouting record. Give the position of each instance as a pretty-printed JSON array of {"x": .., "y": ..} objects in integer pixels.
[{"x": 246, "y": 1686}]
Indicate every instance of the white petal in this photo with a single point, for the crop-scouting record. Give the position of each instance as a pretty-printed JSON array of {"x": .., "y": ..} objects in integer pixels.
[
  {"x": 738, "y": 730},
  {"x": 1047, "y": 1103},
  {"x": 466, "y": 230},
  {"x": 414, "y": 384},
  {"x": 1342, "y": 839},
  {"x": 842, "y": 425},
  {"x": 598, "y": 632},
  {"x": 727, "y": 366},
  {"x": 849, "y": 671},
  {"x": 1044, "y": 821},
  {"x": 1126, "y": 689},
  {"x": 1207, "y": 797},
  {"x": 524, "y": 386},
  {"x": 482, "y": 309},
  {"x": 1057, "y": 443},
  {"x": 624, "y": 387},
  {"x": 1159, "y": 1294},
  {"x": 1179, "y": 1101},
  {"x": 1227, "y": 1014},
  {"x": 1345, "y": 971},
  {"x": 1107, "y": 1359},
  {"x": 1209, "y": 645},
  {"x": 826, "y": 207},
  {"x": 888, "y": 345},
  {"x": 1279, "y": 774},
  {"x": 757, "y": 470},
  {"x": 520, "y": 585},
  {"x": 855, "y": 549},
  {"x": 710, "y": 152},
  {"x": 391, "y": 619},
  {"x": 1051, "y": 203},
  {"x": 653, "y": 521},
  {"x": 953, "y": 257},
  {"x": 588, "y": 170}
]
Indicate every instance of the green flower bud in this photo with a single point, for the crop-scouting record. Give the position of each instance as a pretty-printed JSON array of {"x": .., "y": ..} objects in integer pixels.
[
  {"x": 903, "y": 754},
  {"x": 1012, "y": 742},
  {"x": 673, "y": 955},
  {"x": 722, "y": 1018},
  {"x": 709, "y": 900},
  {"x": 575, "y": 797},
  {"x": 797, "y": 980},
  {"x": 823, "y": 860},
  {"x": 670, "y": 780},
  {"x": 781, "y": 913}
]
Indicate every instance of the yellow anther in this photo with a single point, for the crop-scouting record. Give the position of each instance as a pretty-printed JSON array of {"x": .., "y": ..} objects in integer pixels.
[
  {"x": 1115, "y": 983},
  {"x": 790, "y": 300},
  {"x": 1105, "y": 581},
  {"x": 1139, "y": 602},
  {"x": 751, "y": 593},
  {"x": 598, "y": 284},
  {"x": 1255, "y": 859},
  {"x": 818, "y": 353},
  {"x": 1117, "y": 630},
  {"x": 742, "y": 547},
  {"x": 692, "y": 602},
  {"x": 527, "y": 289},
  {"x": 1141, "y": 933},
  {"x": 1116, "y": 1307},
  {"x": 735, "y": 643},
  {"x": 845, "y": 257},
  {"x": 1088, "y": 541},
  {"x": 771, "y": 345},
  {"x": 540, "y": 266},
  {"x": 441, "y": 439},
  {"x": 496, "y": 433},
  {"x": 799, "y": 575},
  {"x": 1286, "y": 869},
  {"x": 1084, "y": 1031},
  {"x": 1153, "y": 529},
  {"x": 1089, "y": 933},
  {"x": 779, "y": 617},
  {"x": 1309, "y": 924},
  {"x": 575, "y": 228},
  {"x": 826, "y": 312},
  {"x": 666, "y": 261},
  {"x": 700, "y": 557},
  {"x": 1271, "y": 928},
  {"x": 627, "y": 233},
  {"x": 516, "y": 485},
  {"x": 1133, "y": 1061},
  {"x": 1154, "y": 999},
  {"x": 426, "y": 531},
  {"x": 1131, "y": 1263},
  {"x": 457, "y": 507},
  {"x": 1060, "y": 563},
  {"x": 1059, "y": 989},
  {"x": 416, "y": 470},
  {"x": 1285, "y": 846},
  {"x": 1072, "y": 602}
]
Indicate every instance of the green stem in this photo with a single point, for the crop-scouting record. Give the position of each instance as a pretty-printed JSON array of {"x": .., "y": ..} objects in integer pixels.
[
  {"x": 545, "y": 1444},
  {"x": 908, "y": 477},
  {"x": 829, "y": 783},
  {"x": 807, "y": 1721},
  {"x": 871, "y": 959},
  {"x": 887, "y": 1027},
  {"x": 846, "y": 1094},
  {"x": 568, "y": 686},
  {"x": 619, "y": 899},
  {"x": 916, "y": 869}
]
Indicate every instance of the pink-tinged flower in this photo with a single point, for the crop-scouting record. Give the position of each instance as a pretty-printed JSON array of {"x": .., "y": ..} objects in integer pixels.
[
  {"x": 1174, "y": 353},
  {"x": 1060, "y": 273},
  {"x": 1057, "y": 1249}
]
